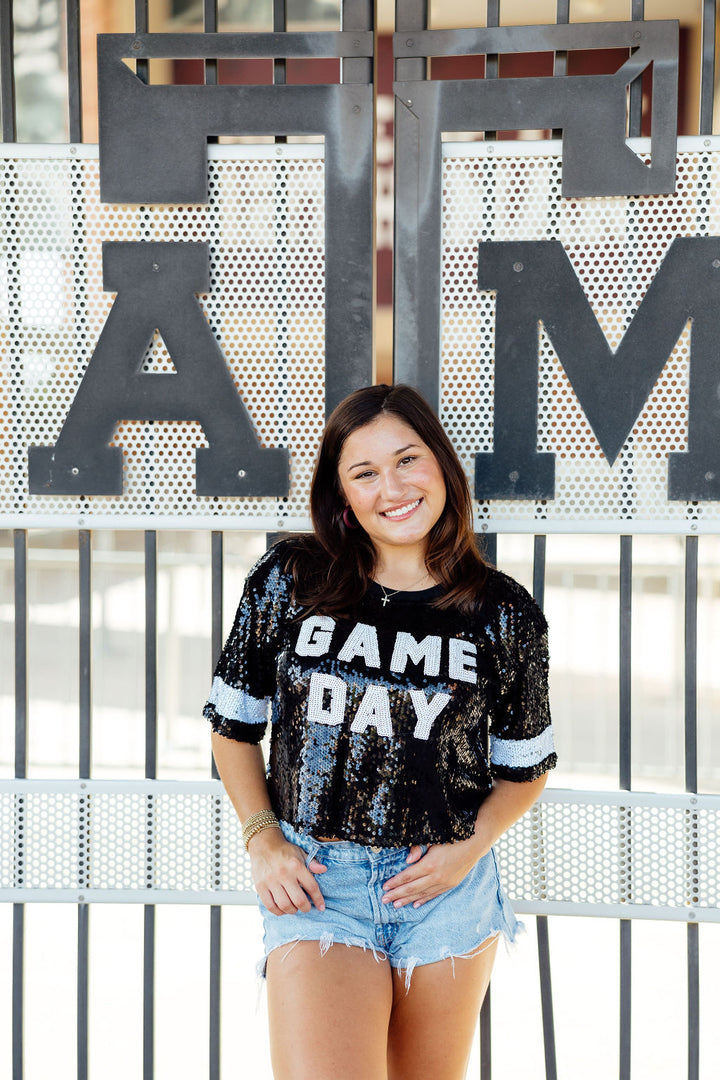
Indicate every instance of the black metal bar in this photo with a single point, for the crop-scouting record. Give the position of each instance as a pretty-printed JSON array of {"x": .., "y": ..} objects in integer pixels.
[
  {"x": 21, "y": 653},
  {"x": 492, "y": 64},
  {"x": 85, "y": 652},
  {"x": 707, "y": 67},
  {"x": 693, "y": 977},
  {"x": 210, "y": 25},
  {"x": 635, "y": 100},
  {"x": 486, "y": 1038},
  {"x": 150, "y": 654},
  {"x": 150, "y": 774},
  {"x": 625, "y": 717},
  {"x": 625, "y": 781},
  {"x": 84, "y": 770},
  {"x": 546, "y": 997},
  {"x": 21, "y": 738},
  {"x": 625, "y": 998},
  {"x": 543, "y": 930},
  {"x": 7, "y": 72},
  {"x": 142, "y": 26},
  {"x": 691, "y": 600},
  {"x": 215, "y": 992},
  {"x": 74, "y": 69},
  {"x": 691, "y": 784},
  {"x": 279, "y": 27},
  {"x": 411, "y": 16},
  {"x": 357, "y": 15},
  {"x": 83, "y": 959},
  {"x": 18, "y": 990},
  {"x": 149, "y": 992},
  {"x": 216, "y": 591}
]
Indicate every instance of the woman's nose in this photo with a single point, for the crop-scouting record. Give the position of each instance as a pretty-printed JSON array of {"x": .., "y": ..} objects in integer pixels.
[{"x": 392, "y": 484}]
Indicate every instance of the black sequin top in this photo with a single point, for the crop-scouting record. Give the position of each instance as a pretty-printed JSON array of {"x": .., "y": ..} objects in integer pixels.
[{"x": 381, "y": 720}]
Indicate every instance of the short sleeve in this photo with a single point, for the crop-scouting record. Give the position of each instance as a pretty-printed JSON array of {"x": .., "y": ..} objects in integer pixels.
[
  {"x": 521, "y": 735},
  {"x": 245, "y": 676}
]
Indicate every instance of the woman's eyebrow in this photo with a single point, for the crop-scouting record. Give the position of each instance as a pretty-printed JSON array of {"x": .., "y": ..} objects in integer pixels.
[{"x": 397, "y": 453}]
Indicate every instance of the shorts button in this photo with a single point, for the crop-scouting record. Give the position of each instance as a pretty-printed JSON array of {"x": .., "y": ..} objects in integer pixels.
[{"x": 375, "y": 848}]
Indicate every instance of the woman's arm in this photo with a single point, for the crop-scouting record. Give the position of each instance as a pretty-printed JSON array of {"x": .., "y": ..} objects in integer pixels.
[
  {"x": 445, "y": 865},
  {"x": 283, "y": 882}
]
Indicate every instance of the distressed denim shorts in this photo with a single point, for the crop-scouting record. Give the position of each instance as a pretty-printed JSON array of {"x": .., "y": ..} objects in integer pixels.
[{"x": 451, "y": 926}]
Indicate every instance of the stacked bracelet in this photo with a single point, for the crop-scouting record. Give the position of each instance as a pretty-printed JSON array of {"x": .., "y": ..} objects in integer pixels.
[{"x": 264, "y": 819}]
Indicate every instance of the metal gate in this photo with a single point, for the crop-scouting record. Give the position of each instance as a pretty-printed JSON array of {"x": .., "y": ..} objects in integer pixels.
[{"x": 178, "y": 312}]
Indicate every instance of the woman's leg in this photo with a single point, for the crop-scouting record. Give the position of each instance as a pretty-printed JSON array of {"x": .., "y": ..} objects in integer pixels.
[
  {"x": 432, "y": 1025},
  {"x": 328, "y": 1014}
]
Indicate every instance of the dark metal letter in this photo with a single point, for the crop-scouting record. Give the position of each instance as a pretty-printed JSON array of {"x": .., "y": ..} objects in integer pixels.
[{"x": 156, "y": 285}]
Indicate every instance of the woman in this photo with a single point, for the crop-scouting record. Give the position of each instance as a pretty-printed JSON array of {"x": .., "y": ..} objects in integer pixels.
[{"x": 388, "y": 650}]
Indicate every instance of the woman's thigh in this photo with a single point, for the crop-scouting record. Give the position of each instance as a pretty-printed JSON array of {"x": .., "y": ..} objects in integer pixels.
[
  {"x": 329, "y": 1013},
  {"x": 433, "y": 1023}
]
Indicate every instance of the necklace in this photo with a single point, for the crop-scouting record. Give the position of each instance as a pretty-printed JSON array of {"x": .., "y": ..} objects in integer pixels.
[{"x": 387, "y": 596}]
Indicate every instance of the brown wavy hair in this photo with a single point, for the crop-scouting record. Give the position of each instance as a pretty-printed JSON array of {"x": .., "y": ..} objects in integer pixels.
[{"x": 331, "y": 569}]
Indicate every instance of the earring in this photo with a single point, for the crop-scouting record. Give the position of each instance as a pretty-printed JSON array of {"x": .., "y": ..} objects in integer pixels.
[{"x": 349, "y": 524}]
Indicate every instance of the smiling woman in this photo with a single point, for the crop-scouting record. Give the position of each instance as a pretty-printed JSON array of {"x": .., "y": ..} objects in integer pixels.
[{"x": 386, "y": 652}]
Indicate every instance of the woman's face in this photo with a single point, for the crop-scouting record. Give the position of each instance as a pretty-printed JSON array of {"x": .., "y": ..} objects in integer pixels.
[{"x": 393, "y": 483}]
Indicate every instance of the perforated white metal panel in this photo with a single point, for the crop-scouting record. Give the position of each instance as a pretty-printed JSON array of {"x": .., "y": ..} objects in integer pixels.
[
  {"x": 511, "y": 191},
  {"x": 264, "y": 223},
  {"x": 620, "y": 854}
]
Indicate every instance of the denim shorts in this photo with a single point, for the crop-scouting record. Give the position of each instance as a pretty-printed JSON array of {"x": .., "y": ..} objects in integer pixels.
[{"x": 451, "y": 926}]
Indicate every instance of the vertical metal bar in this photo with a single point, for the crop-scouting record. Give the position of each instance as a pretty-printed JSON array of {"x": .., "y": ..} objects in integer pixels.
[
  {"x": 216, "y": 591},
  {"x": 487, "y": 543},
  {"x": 691, "y": 784},
  {"x": 7, "y": 72},
  {"x": 21, "y": 657},
  {"x": 693, "y": 976},
  {"x": 707, "y": 67},
  {"x": 691, "y": 599},
  {"x": 635, "y": 102},
  {"x": 85, "y": 652},
  {"x": 142, "y": 25},
  {"x": 625, "y": 770},
  {"x": 74, "y": 70},
  {"x": 85, "y": 766},
  {"x": 357, "y": 15},
  {"x": 210, "y": 25},
  {"x": 150, "y": 654},
  {"x": 625, "y": 718},
  {"x": 625, "y": 997},
  {"x": 83, "y": 958},
  {"x": 215, "y": 990},
  {"x": 279, "y": 27},
  {"x": 562, "y": 16},
  {"x": 492, "y": 61},
  {"x": 411, "y": 15},
  {"x": 543, "y": 929},
  {"x": 18, "y": 961},
  {"x": 148, "y": 992},
  {"x": 151, "y": 774},
  {"x": 18, "y": 988},
  {"x": 486, "y": 1038}
]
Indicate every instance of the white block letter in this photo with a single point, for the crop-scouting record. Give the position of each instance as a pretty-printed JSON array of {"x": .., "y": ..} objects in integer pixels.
[
  {"x": 462, "y": 660},
  {"x": 315, "y": 634},
  {"x": 426, "y": 711},
  {"x": 407, "y": 648},
  {"x": 319, "y": 685},
  {"x": 374, "y": 709},
  {"x": 362, "y": 641}
]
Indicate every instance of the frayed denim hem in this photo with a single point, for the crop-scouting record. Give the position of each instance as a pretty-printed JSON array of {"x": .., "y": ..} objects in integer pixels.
[
  {"x": 325, "y": 942},
  {"x": 407, "y": 965}
]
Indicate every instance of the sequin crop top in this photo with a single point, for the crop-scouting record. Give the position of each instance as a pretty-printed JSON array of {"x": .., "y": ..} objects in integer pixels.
[{"x": 388, "y": 725}]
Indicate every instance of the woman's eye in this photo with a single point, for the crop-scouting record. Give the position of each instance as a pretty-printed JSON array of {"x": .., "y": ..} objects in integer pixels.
[
  {"x": 407, "y": 460},
  {"x": 363, "y": 475}
]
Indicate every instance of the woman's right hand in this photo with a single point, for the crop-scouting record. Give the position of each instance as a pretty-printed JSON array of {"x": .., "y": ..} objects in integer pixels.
[{"x": 284, "y": 883}]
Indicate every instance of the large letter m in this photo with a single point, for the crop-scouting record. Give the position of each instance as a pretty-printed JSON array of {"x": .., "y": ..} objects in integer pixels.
[{"x": 536, "y": 283}]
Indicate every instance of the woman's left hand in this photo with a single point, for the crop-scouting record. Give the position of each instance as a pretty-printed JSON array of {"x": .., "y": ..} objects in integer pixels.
[{"x": 442, "y": 867}]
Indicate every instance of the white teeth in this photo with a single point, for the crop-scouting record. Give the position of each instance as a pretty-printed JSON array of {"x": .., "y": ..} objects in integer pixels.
[{"x": 402, "y": 510}]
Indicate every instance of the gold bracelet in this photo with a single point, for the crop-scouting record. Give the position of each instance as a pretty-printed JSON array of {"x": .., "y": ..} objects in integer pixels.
[{"x": 264, "y": 819}]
